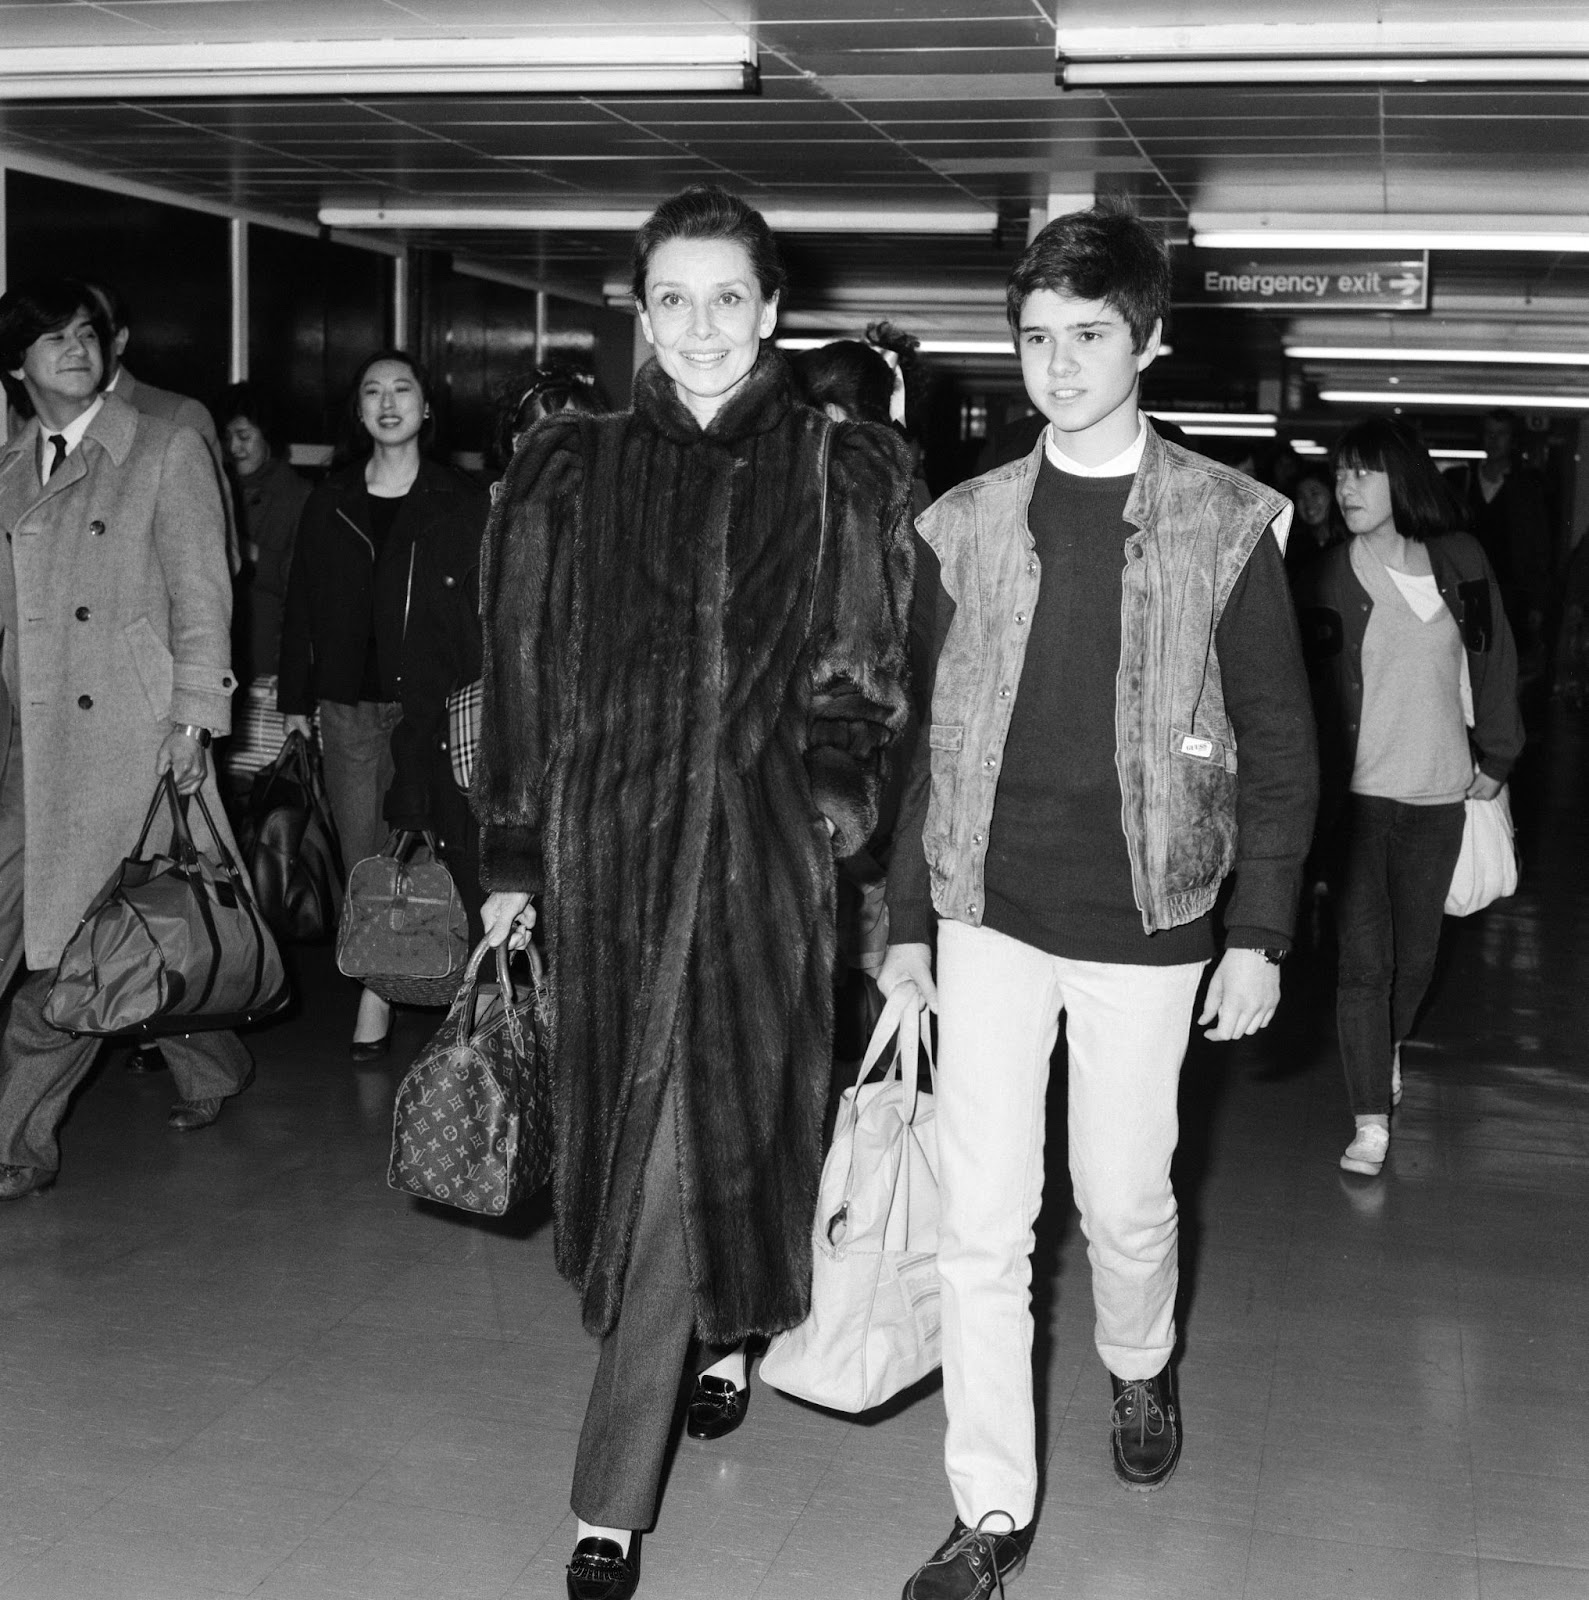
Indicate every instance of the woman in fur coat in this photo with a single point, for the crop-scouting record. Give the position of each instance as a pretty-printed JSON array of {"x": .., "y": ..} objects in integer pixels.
[{"x": 695, "y": 617}]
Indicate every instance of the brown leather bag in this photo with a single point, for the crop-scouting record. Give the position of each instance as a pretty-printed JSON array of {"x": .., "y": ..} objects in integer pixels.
[
  {"x": 472, "y": 1126},
  {"x": 404, "y": 931}
]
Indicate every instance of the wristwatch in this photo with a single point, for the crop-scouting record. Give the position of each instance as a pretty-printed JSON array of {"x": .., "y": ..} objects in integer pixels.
[
  {"x": 1273, "y": 956},
  {"x": 194, "y": 731}
]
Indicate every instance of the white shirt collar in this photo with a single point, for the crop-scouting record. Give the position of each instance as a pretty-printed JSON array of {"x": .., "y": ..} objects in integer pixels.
[
  {"x": 72, "y": 433},
  {"x": 1120, "y": 466}
]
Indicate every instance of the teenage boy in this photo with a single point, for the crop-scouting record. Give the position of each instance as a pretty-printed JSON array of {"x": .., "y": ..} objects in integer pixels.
[{"x": 1120, "y": 719}]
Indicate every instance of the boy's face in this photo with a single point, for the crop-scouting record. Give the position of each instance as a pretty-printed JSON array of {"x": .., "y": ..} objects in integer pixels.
[{"x": 1082, "y": 373}]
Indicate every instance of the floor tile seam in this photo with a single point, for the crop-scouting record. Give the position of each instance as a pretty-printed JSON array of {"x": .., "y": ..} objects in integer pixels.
[
  {"x": 1290, "y": 1531},
  {"x": 799, "y": 1516}
]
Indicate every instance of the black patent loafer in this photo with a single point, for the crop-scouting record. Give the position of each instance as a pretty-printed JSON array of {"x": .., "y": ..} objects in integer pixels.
[
  {"x": 972, "y": 1563},
  {"x": 363, "y": 1050},
  {"x": 716, "y": 1408},
  {"x": 600, "y": 1570},
  {"x": 1145, "y": 1443}
]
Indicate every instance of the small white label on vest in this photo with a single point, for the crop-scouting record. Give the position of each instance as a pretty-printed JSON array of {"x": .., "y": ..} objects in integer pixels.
[{"x": 1202, "y": 748}]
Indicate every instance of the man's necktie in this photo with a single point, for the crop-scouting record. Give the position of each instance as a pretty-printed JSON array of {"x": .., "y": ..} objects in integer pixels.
[{"x": 58, "y": 445}]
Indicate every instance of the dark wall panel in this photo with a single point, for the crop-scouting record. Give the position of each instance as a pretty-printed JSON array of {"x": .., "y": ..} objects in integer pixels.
[
  {"x": 170, "y": 266},
  {"x": 315, "y": 311}
]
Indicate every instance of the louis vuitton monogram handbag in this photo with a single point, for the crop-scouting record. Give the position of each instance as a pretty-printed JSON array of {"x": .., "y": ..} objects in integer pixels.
[{"x": 472, "y": 1127}]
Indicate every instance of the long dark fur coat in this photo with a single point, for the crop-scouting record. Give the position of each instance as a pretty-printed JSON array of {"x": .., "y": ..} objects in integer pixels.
[{"x": 679, "y": 687}]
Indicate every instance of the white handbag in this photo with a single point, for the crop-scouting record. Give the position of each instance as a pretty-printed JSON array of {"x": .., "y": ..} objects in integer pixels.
[
  {"x": 874, "y": 1325},
  {"x": 1486, "y": 869}
]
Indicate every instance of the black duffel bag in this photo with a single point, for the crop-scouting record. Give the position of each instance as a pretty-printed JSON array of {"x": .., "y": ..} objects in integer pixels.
[
  {"x": 288, "y": 842},
  {"x": 172, "y": 944}
]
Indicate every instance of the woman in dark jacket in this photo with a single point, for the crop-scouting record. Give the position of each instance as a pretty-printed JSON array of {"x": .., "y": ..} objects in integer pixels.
[
  {"x": 1401, "y": 624},
  {"x": 695, "y": 621},
  {"x": 356, "y": 572}
]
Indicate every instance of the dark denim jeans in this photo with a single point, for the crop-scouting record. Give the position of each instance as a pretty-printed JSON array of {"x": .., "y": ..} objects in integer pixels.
[{"x": 1397, "y": 869}]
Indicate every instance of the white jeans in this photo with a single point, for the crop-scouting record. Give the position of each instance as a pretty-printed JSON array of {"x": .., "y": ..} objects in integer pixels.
[{"x": 1126, "y": 1028}]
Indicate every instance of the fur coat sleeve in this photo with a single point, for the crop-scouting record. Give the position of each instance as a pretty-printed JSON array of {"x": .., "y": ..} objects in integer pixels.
[
  {"x": 860, "y": 689},
  {"x": 537, "y": 510}
]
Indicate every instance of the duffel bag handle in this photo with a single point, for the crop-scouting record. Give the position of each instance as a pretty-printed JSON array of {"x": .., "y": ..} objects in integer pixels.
[{"x": 400, "y": 846}]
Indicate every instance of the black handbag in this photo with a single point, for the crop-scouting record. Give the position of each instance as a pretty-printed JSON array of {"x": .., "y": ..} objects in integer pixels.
[
  {"x": 404, "y": 931},
  {"x": 171, "y": 944},
  {"x": 288, "y": 841},
  {"x": 472, "y": 1126}
]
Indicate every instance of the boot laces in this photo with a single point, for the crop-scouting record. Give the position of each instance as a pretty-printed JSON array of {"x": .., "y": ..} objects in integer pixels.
[
  {"x": 1137, "y": 1404},
  {"x": 977, "y": 1545}
]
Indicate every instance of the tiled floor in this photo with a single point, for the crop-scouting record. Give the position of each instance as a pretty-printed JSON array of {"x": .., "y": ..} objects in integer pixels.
[{"x": 236, "y": 1364}]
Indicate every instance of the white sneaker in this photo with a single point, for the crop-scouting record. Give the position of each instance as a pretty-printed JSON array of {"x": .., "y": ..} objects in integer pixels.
[
  {"x": 1366, "y": 1153},
  {"x": 1395, "y": 1076}
]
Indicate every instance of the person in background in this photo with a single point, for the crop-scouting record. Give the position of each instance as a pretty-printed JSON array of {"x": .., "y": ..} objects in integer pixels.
[
  {"x": 1505, "y": 511},
  {"x": 345, "y": 645},
  {"x": 156, "y": 402},
  {"x": 113, "y": 556},
  {"x": 1402, "y": 623},
  {"x": 694, "y": 616},
  {"x": 430, "y": 764},
  {"x": 1314, "y": 528},
  {"x": 270, "y": 498}
]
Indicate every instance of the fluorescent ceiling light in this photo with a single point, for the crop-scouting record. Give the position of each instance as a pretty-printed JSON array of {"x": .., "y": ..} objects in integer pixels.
[
  {"x": 1206, "y": 430},
  {"x": 1373, "y": 231},
  {"x": 676, "y": 62},
  {"x": 1499, "y": 49},
  {"x": 1308, "y": 447},
  {"x": 625, "y": 219},
  {"x": 1458, "y": 455},
  {"x": 1483, "y": 402},
  {"x": 1499, "y": 358},
  {"x": 1248, "y": 419}
]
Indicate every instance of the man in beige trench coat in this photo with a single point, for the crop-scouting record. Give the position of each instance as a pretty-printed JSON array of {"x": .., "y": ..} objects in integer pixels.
[{"x": 116, "y": 604}]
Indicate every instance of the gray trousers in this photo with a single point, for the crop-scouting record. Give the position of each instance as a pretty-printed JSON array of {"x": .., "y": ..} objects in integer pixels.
[
  {"x": 356, "y": 752},
  {"x": 40, "y": 1066},
  {"x": 629, "y": 1421}
]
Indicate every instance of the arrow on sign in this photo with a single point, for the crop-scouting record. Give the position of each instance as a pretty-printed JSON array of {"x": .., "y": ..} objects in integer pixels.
[{"x": 1407, "y": 284}]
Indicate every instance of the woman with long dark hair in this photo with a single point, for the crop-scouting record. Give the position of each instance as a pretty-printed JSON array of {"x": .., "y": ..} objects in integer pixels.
[
  {"x": 345, "y": 646},
  {"x": 695, "y": 615},
  {"x": 1417, "y": 679}
]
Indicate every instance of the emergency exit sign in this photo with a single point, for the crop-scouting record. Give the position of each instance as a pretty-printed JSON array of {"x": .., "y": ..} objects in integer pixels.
[{"x": 1303, "y": 280}]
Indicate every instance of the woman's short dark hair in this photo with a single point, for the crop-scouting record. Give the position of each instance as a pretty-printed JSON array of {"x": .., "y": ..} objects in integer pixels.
[
  {"x": 853, "y": 376},
  {"x": 1420, "y": 499},
  {"x": 34, "y": 308},
  {"x": 359, "y": 443},
  {"x": 708, "y": 211},
  {"x": 525, "y": 399},
  {"x": 1108, "y": 254},
  {"x": 252, "y": 404}
]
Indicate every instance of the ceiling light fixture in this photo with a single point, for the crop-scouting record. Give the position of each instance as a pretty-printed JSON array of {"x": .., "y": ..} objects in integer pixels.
[
  {"x": 1472, "y": 402},
  {"x": 1207, "y": 430},
  {"x": 663, "y": 63},
  {"x": 1372, "y": 231},
  {"x": 1476, "y": 51},
  {"x": 625, "y": 219},
  {"x": 1243, "y": 419},
  {"x": 1439, "y": 454},
  {"x": 1499, "y": 358}
]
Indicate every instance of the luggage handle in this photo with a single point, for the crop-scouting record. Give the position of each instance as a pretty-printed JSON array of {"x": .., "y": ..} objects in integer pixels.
[
  {"x": 901, "y": 1021},
  {"x": 400, "y": 846},
  {"x": 468, "y": 990}
]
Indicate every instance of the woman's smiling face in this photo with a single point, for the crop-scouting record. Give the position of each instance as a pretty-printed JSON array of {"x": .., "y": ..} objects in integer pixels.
[{"x": 705, "y": 317}]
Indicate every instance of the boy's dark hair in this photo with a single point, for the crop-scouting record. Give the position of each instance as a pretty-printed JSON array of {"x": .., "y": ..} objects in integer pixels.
[
  {"x": 36, "y": 307},
  {"x": 1420, "y": 499},
  {"x": 1108, "y": 254},
  {"x": 853, "y": 376},
  {"x": 708, "y": 211}
]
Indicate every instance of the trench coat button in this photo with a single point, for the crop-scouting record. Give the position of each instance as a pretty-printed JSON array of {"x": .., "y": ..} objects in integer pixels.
[
  {"x": 971, "y": 908},
  {"x": 1020, "y": 616},
  {"x": 976, "y": 838},
  {"x": 82, "y": 613},
  {"x": 990, "y": 763},
  {"x": 85, "y": 702},
  {"x": 449, "y": 583},
  {"x": 1004, "y": 693},
  {"x": 96, "y": 527}
]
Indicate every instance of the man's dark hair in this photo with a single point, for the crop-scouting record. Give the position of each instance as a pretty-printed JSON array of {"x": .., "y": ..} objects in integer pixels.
[
  {"x": 1108, "y": 254},
  {"x": 110, "y": 301},
  {"x": 34, "y": 308},
  {"x": 707, "y": 211},
  {"x": 853, "y": 376},
  {"x": 1420, "y": 499}
]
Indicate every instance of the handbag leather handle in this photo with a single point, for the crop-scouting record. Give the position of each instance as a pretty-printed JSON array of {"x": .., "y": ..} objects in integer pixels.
[
  {"x": 401, "y": 844},
  {"x": 469, "y": 987}
]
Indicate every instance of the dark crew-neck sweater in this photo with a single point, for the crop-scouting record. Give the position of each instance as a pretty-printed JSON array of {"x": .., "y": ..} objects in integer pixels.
[{"x": 1058, "y": 873}]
